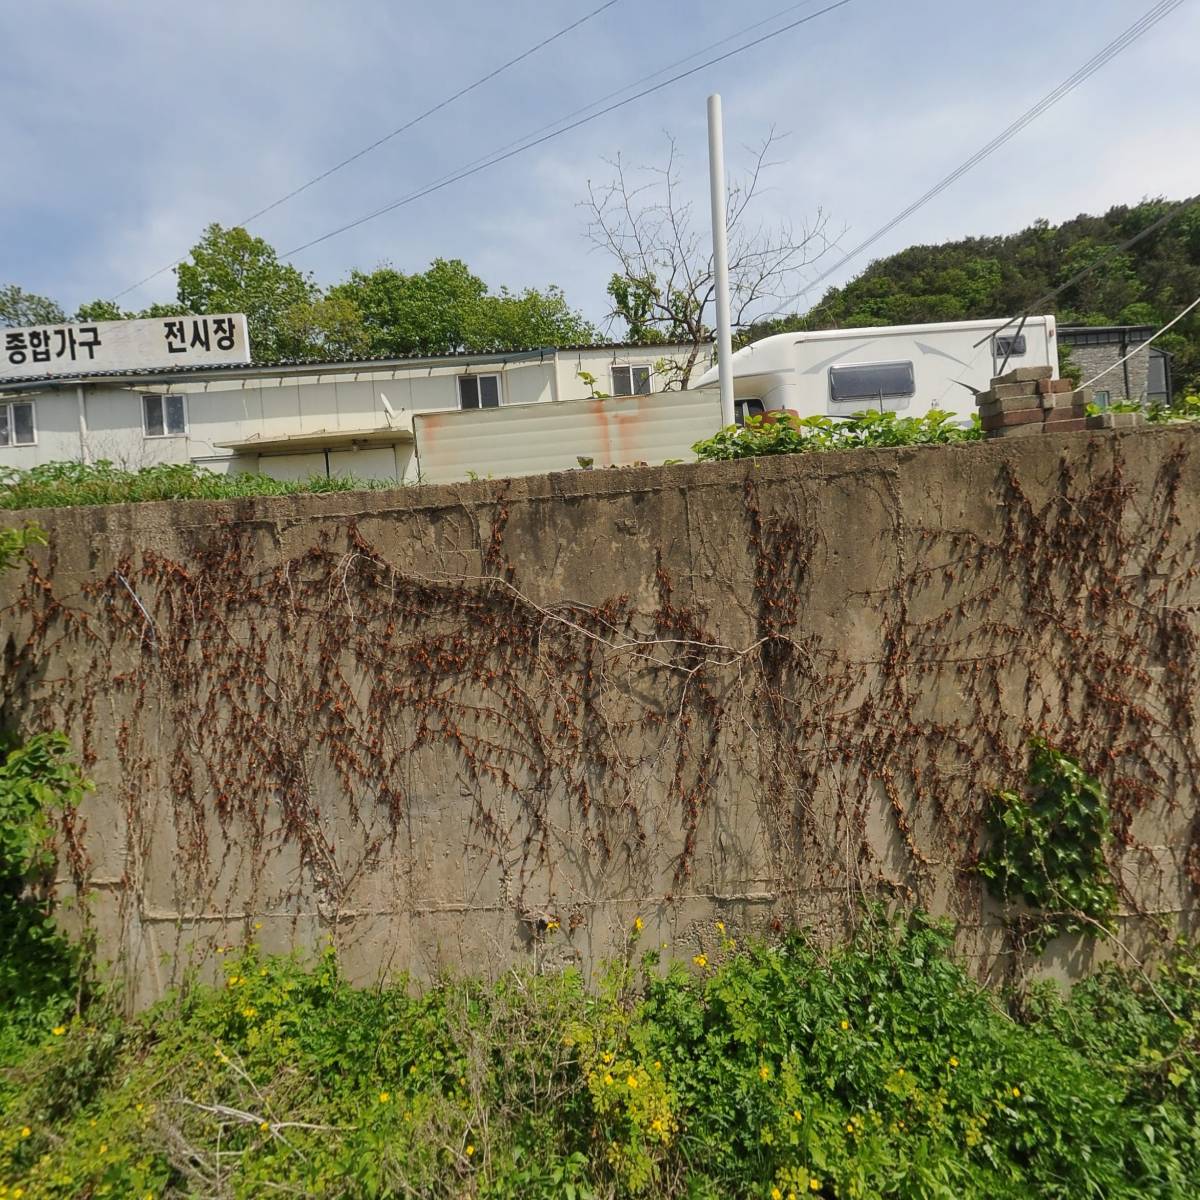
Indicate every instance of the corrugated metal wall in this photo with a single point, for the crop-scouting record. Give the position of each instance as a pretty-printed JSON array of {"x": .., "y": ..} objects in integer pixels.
[{"x": 532, "y": 439}]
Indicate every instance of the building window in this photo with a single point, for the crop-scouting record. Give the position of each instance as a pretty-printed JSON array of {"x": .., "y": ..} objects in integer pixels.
[
  {"x": 1102, "y": 398},
  {"x": 873, "y": 381},
  {"x": 164, "y": 416},
  {"x": 631, "y": 381},
  {"x": 746, "y": 408},
  {"x": 1010, "y": 347},
  {"x": 479, "y": 391},
  {"x": 16, "y": 424}
]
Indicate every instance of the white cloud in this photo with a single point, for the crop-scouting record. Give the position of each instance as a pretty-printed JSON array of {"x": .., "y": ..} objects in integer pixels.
[{"x": 132, "y": 130}]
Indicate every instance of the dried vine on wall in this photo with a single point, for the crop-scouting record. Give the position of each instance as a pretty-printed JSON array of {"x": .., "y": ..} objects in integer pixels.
[{"x": 262, "y": 694}]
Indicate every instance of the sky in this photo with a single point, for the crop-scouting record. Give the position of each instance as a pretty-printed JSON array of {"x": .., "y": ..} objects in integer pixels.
[{"x": 130, "y": 125}]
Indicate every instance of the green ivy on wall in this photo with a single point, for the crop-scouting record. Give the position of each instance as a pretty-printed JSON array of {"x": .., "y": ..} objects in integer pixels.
[{"x": 1048, "y": 848}]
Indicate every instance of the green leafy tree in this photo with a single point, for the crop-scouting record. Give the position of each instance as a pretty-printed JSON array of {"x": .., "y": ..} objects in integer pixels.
[
  {"x": 326, "y": 327},
  {"x": 228, "y": 270},
  {"x": 448, "y": 308},
  {"x": 19, "y": 307}
]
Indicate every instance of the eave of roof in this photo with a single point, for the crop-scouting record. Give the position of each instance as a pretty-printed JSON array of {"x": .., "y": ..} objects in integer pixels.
[{"x": 317, "y": 366}]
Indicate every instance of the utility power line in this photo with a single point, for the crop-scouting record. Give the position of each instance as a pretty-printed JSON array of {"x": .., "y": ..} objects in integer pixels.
[
  {"x": 512, "y": 153},
  {"x": 387, "y": 137},
  {"x": 1139, "y": 348},
  {"x": 740, "y": 32},
  {"x": 1151, "y": 18}
]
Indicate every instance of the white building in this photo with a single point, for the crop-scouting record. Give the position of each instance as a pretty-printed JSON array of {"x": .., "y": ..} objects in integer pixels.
[{"x": 295, "y": 420}]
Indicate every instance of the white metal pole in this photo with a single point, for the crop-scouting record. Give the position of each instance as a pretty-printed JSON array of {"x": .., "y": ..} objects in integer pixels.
[{"x": 716, "y": 178}]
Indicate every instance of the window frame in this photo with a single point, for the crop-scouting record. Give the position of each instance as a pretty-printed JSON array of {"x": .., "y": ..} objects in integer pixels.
[
  {"x": 162, "y": 397},
  {"x": 479, "y": 406},
  {"x": 631, "y": 367},
  {"x": 10, "y": 424},
  {"x": 1017, "y": 346},
  {"x": 873, "y": 396},
  {"x": 739, "y": 410}
]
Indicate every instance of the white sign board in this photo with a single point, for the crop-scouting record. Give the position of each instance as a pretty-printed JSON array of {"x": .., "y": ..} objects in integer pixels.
[{"x": 123, "y": 345}]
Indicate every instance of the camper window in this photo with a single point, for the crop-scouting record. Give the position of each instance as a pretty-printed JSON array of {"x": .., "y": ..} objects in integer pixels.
[
  {"x": 871, "y": 381},
  {"x": 746, "y": 408},
  {"x": 1010, "y": 347},
  {"x": 479, "y": 391},
  {"x": 631, "y": 381}
]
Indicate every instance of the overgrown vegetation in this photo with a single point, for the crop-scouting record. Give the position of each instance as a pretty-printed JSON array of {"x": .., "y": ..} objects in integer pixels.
[
  {"x": 39, "y": 968},
  {"x": 60, "y": 484},
  {"x": 794, "y": 435},
  {"x": 39, "y": 973},
  {"x": 765, "y": 1071}
]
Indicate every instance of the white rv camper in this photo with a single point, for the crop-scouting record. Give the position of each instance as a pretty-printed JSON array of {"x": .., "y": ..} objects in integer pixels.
[{"x": 906, "y": 369}]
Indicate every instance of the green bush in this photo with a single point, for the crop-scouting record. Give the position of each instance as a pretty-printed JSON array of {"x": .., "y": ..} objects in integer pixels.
[
  {"x": 879, "y": 1070},
  {"x": 38, "y": 966},
  {"x": 62, "y": 484},
  {"x": 802, "y": 434}
]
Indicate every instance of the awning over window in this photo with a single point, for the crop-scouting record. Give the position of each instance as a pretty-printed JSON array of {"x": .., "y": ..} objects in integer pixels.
[{"x": 321, "y": 439}]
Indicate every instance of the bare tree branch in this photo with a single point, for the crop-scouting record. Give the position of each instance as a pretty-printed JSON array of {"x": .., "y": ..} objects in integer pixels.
[{"x": 663, "y": 285}]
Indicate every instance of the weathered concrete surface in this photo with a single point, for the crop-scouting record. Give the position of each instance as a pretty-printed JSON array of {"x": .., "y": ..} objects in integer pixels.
[{"x": 421, "y": 720}]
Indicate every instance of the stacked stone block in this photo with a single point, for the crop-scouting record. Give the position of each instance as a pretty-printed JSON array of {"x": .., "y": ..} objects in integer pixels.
[{"x": 1028, "y": 401}]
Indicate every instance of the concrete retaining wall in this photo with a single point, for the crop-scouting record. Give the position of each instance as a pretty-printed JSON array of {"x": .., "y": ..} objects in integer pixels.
[{"x": 430, "y": 722}]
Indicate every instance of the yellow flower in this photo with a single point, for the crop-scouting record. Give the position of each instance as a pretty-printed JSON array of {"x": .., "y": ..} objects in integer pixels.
[
  {"x": 799, "y": 1116},
  {"x": 764, "y": 1072},
  {"x": 257, "y": 924},
  {"x": 470, "y": 1150},
  {"x": 814, "y": 1185},
  {"x": 551, "y": 925},
  {"x": 607, "y": 1056},
  {"x": 845, "y": 1024},
  {"x": 59, "y": 1030},
  {"x": 849, "y": 1127},
  {"x": 17, "y": 1193},
  {"x": 701, "y": 960},
  {"x": 264, "y": 1126},
  {"x": 776, "y": 1194},
  {"x": 899, "y": 1070},
  {"x": 249, "y": 1012},
  {"x": 657, "y": 1065},
  {"x": 262, "y": 971},
  {"x": 638, "y": 925},
  {"x": 631, "y": 1082},
  {"x": 103, "y": 1148},
  {"x": 720, "y": 926},
  {"x": 953, "y": 1061},
  {"x": 1016, "y": 1091},
  {"x": 656, "y": 1126},
  {"x": 384, "y": 1097},
  {"x": 608, "y": 1078},
  {"x": 25, "y": 1131}
]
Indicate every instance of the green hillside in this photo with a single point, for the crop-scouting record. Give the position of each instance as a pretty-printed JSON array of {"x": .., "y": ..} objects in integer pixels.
[{"x": 999, "y": 276}]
